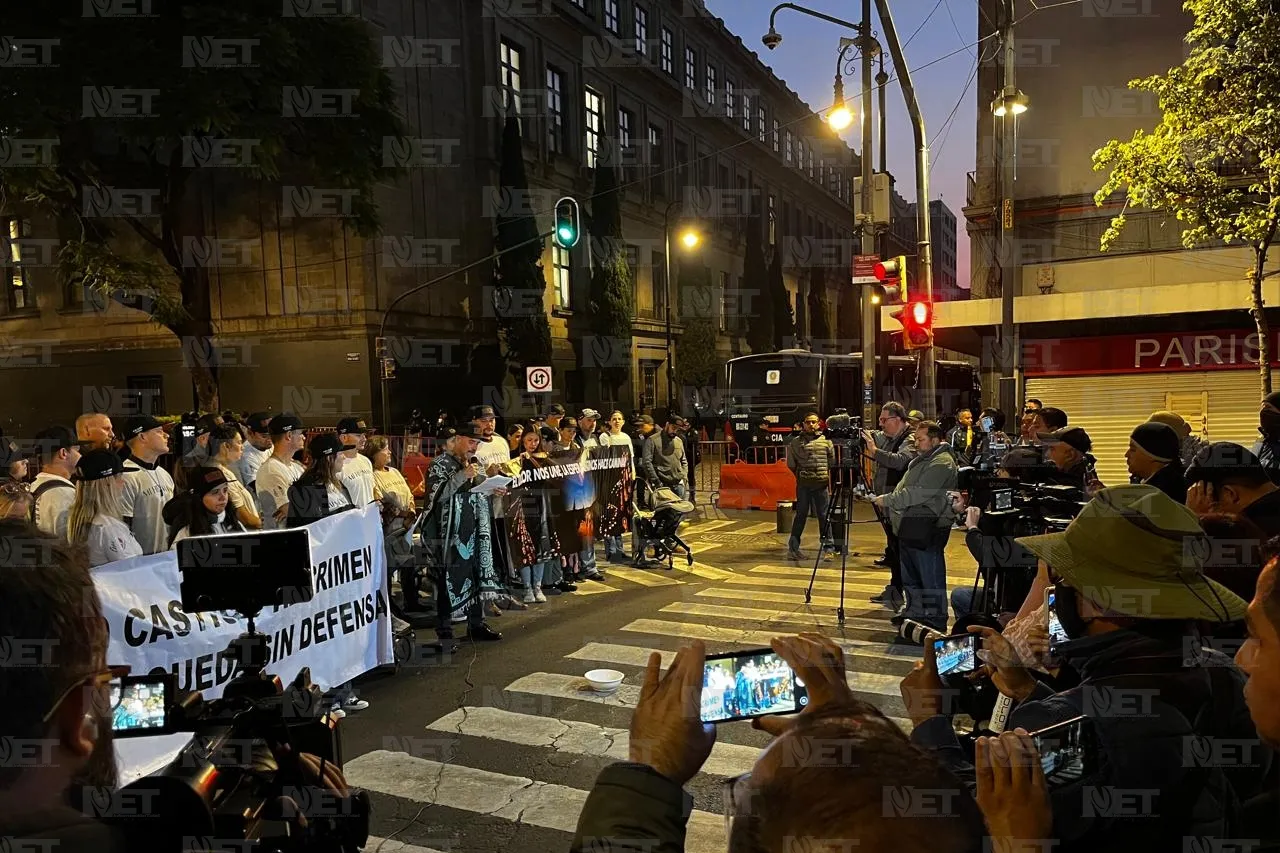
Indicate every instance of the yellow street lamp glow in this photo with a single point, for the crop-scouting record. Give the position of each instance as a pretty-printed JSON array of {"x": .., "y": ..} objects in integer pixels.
[
  {"x": 840, "y": 118},
  {"x": 690, "y": 239},
  {"x": 875, "y": 298},
  {"x": 1010, "y": 102}
]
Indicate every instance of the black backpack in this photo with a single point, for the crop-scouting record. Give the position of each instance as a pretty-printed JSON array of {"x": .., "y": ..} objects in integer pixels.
[{"x": 41, "y": 489}]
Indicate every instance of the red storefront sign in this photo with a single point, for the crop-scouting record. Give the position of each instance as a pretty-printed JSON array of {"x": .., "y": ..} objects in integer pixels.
[{"x": 1161, "y": 352}]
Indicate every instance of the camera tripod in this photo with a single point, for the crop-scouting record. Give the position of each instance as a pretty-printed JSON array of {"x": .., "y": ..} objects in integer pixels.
[{"x": 848, "y": 480}]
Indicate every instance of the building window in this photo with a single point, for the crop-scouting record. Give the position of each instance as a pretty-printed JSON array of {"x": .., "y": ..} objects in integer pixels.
[
  {"x": 595, "y": 124},
  {"x": 581, "y": 4},
  {"x": 509, "y": 56},
  {"x": 148, "y": 392},
  {"x": 690, "y": 69},
  {"x": 729, "y": 97},
  {"x": 726, "y": 294},
  {"x": 746, "y": 112},
  {"x": 668, "y": 52},
  {"x": 773, "y": 219},
  {"x": 611, "y": 16},
  {"x": 626, "y": 120},
  {"x": 560, "y": 275},
  {"x": 555, "y": 111},
  {"x": 642, "y": 31},
  {"x": 711, "y": 84},
  {"x": 788, "y": 148},
  {"x": 19, "y": 297},
  {"x": 777, "y": 137},
  {"x": 810, "y": 153},
  {"x": 657, "y": 163},
  {"x": 762, "y": 126}
]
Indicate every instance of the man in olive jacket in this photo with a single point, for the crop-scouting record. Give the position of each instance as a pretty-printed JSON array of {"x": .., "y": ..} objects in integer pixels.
[
  {"x": 921, "y": 514},
  {"x": 811, "y": 456}
]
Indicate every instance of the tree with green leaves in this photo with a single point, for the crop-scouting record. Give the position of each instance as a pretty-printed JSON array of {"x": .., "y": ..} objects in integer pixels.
[
  {"x": 784, "y": 323},
  {"x": 755, "y": 290},
  {"x": 1213, "y": 160},
  {"x": 818, "y": 307},
  {"x": 145, "y": 128},
  {"x": 611, "y": 306},
  {"x": 696, "y": 358},
  {"x": 519, "y": 284}
]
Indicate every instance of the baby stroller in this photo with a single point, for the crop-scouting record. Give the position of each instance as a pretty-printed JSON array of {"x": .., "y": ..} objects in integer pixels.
[{"x": 657, "y": 525}]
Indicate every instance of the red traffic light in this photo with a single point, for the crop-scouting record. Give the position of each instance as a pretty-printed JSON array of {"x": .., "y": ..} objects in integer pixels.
[{"x": 917, "y": 324}]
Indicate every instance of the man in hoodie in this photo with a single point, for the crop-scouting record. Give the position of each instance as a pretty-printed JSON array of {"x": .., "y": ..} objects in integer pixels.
[
  {"x": 1267, "y": 448},
  {"x": 920, "y": 512}
]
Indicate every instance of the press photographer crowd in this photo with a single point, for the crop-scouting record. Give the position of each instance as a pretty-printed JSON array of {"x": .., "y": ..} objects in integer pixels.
[{"x": 1109, "y": 681}]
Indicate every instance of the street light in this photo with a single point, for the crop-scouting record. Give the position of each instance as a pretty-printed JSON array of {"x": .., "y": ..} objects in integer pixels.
[
  {"x": 690, "y": 238},
  {"x": 840, "y": 116},
  {"x": 1011, "y": 102}
]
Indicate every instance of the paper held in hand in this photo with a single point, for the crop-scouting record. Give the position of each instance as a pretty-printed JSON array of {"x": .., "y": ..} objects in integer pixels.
[{"x": 492, "y": 484}]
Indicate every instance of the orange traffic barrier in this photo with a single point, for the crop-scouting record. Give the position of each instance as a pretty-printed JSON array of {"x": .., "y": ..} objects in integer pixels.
[{"x": 745, "y": 486}]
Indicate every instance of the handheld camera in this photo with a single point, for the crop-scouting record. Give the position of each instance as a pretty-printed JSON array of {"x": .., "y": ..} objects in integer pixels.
[
  {"x": 957, "y": 655},
  {"x": 1057, "y": 634},
  {"x": 1068, "y": 751},
  {"x": 750, "y": 683}
]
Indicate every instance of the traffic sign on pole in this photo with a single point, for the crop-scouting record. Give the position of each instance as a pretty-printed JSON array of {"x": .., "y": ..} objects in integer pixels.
[
  {"x": 537, "y": 380},
  {"x": 864, "y": 269}
]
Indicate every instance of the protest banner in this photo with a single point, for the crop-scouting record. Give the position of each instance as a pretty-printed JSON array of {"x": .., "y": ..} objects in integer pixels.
[
  {"x": 556, "y": 502},
  {"x": 342, "y": 632}
]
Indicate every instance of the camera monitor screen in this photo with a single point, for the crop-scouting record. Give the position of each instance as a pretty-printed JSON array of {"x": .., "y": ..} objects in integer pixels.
[
  {"x": 957, "y": 654},
  {"x": 747, "y": 684},
  {"x": 1003, "y": 498},
  {"x": 1066, "y": 750},
  {"x": 140, "y": 705}
]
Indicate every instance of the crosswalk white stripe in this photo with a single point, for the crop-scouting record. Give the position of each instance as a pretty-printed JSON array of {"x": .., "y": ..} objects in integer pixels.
[
  {"x": 875, "y": 683},
  {"x": 389, "y": 845},
  {"x": 705, "y": 526},
  {"x": 757, "y": 529},
  {"x": 851, "y": 584},
  {"x": 795, "y": 598},
  {"x": 594, "y": 588},
  {"x": 578, "y": 738},
  {"x": 702, "y": 570},
  {"x": 482, "y": 792},
  {"x": 748, "y": 637},
  {"x": 643, "y": 577},
  {"x": 561, "y": 686},
  {"x": 829, "y": 573},
  {"x": 708, "y": 546},
  {"x": 813, "y": 621}
]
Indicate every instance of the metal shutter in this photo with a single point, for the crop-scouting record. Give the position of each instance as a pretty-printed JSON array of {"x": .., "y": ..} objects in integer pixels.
[{"x": 1109, "y": 407}]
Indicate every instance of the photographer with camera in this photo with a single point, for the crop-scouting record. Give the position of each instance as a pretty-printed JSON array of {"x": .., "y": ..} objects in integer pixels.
[
  {"x": 891, "y": 448},
  {"x": 993, "y": 444},
  {"x": 1068, "y": 450},
  {"x": 811, "y": 456},
  {"x": 1129, "y": 593},
  {"x": 50, "y": 795}
]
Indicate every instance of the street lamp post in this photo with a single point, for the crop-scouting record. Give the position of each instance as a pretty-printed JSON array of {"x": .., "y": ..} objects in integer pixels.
[
  {"x": 1007, "y": 107},
  {"x": 690, "y": 239}
]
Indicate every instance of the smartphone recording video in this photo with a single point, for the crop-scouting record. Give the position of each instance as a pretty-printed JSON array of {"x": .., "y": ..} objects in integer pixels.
[
  {"x": 1067, "y": 750},
  {"x": 1057, "y": 634},
  {"x": 957, "y": 654},
  {"x": 1003, "y": 498},
  {"x": 140, "y": 705},
  {"x": 747, "y": 684}
]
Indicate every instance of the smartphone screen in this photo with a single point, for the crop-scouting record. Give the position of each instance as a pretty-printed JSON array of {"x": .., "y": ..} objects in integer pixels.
[
  {"x": 747, "y": 684},
  {"x": 1067, "y": 750},
  {"x": 140, "y": 705},
  {"x": 1057, "y": 634},
  {"x": 1003, "y": 498},
  {"x": 957, "y": 654}
]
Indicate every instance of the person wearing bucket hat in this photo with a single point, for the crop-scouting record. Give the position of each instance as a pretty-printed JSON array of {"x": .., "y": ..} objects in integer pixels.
[
  {"x": 206, "y": 507},
  {"x": 1267, "y": 449},
  {"x": 95, "y": 518},
  {"x": 1152, "y": 458},
  {"x": 1131, "y": 594}
]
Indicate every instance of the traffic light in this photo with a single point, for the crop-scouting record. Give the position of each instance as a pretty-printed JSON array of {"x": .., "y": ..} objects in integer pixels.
[
  {"x": 568, "y": 223},
  {"x": 916, "y": 318},
  {"x": 892, "y": 275}
]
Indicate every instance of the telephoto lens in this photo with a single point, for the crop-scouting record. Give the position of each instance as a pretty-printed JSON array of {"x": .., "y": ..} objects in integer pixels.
[{"x": 917, "y": 632}]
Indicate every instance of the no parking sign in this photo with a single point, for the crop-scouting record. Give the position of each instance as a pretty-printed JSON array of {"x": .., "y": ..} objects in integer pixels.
[{"x": 537, "y": 380}]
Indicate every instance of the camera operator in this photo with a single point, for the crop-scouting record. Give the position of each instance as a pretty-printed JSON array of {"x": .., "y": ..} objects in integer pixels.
[
  {"x": 891, "y": 448},
  {"x": 1129, "y": 593},
  {"x": 811, "y": 456},
  {"x": 1068, "y": 450},
  {"x": 994, "y": 443},
  {"x": 785, "y": 802},
  {"x": 66, "y": 705}
]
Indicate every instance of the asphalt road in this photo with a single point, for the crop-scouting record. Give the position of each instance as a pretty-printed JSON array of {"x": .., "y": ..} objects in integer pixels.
[{"x": 497, "y": 747}]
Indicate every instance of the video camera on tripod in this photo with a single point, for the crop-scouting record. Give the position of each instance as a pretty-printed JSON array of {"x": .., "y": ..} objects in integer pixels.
[
  {"x": 845, "y": 432},
  {"x": 240, "y": 779}
]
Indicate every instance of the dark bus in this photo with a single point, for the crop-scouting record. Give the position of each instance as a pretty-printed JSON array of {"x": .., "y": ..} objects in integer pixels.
[{"x": 778, "y": 389}]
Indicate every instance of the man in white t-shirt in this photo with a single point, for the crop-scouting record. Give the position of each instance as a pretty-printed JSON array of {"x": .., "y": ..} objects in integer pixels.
[
  {"x": 147, "y": 487},
  {"x": 52, "y": 491},
  {"x": 279, "y": 471},
  {"x": 257, "y": 447},
  {"x": 357, "y": 471}
]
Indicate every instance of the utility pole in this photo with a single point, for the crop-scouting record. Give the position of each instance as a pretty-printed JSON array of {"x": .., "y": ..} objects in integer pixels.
[
  {"x": 869, "y": 310},
  {"x": 1003, "y": 222},
  {"x": 882, "y": 379}
]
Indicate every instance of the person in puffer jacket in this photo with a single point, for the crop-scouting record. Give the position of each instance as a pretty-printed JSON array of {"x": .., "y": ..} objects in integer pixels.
[{"x": 811, "y": 456}]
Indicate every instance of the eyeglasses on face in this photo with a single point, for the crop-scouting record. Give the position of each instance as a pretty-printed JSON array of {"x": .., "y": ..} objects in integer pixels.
[{"x": 112, "y": 677}]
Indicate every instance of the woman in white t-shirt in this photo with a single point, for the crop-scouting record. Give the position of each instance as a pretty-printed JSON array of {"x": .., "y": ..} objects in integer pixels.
[
  {"x": 95, "y": 520},
  {"x": 226, "y": 446},
  {"x": 615, "y": 437},
  {"x": 205, "y": 507}
]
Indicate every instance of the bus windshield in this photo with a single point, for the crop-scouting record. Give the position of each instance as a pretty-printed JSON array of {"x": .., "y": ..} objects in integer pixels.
[{"x": 774, "y": 378}]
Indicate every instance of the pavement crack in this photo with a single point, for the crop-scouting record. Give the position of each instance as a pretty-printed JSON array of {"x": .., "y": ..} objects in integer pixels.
[
  {"x": 511, "y": 801},
  {"x": 556, "y": 738}
]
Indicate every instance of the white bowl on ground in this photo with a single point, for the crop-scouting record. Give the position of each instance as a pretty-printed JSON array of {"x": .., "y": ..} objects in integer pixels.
[{"x": 604, "y": 680}]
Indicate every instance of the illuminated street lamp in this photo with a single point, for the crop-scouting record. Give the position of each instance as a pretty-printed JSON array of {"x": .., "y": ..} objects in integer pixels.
[
  {"x": 690, "y": 238},
  {"x": 1011, "y": 102},
  {"x": 840, "y": 116}
]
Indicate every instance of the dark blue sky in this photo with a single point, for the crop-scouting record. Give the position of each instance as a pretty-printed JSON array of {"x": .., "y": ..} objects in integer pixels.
[{"x": 806, "y": 61}]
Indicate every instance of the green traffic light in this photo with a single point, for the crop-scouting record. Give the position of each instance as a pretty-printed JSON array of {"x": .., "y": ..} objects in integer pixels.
[{"x": 566, "y": 234}]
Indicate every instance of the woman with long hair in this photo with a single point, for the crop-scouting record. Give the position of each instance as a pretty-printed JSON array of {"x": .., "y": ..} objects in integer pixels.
[
  {"x": 204, "y": 510},
  {"x": 226, "y": 446},
  {"x": 613, "y": 436},
  {"x": 514, "y": 436},
  {"x": 318, "y": 492},
  {"x": 539, "y": 551},
  {"x": 15, "y": 500},
  {"x": 398, "y": 511},
  {"x": 386, "y": 479},
  {"x": 95, "y": 518}
]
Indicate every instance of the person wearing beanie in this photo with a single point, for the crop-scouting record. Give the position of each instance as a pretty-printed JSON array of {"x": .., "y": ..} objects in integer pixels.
[
  {"x": 1189, "y": 443},
  {"x": 1267, "y": 448},
  {"x": 1152, "y": 458},
  {"x": 206, "y": 507},
  {"x": 147, "y": 486},
  {"x": 95, "y": 518}
]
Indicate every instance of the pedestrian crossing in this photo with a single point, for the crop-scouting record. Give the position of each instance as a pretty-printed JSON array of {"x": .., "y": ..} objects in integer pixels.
[{"x": 554, "y": 734}]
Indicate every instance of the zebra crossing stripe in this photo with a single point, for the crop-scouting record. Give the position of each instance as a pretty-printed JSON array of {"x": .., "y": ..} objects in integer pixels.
[
  {"x": 827, "y": 573},
  {"x": 515, "y": 798},
  {"x": 702, "y": 570},
  {"x": 792, "y": 598},
  {"x": 824, "y": 622},
  {"x": 577, "y": 738},
  {"x": 748, "y": 637},
  {"x": 756, "y": 529},
  {"x": 851, "y": 585},
  {"x": 560, "y": 686},
  {"x": 643, "y": 577},
  {"x": 706, "y": 526}
]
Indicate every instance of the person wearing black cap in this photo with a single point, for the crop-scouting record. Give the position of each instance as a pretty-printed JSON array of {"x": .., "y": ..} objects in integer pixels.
[
  {"x": 95, "y": 519},
  {"x": 1152, "y": 458},
  {"x": 457, "y": 533},
  {"x": 147, "y": 486},
  {"x": 279, "y": 471},
  {"x": 663, "y": 461},
  {"x": 1227, "y": 479},
  {"x": 198, "y": 455},
  {"x": 1068, "y": 450},
  {"x": 319, "y": 492},
  {"x": 206, "y": 507},
  {"x": 257, "y": 447},
  {"x": 13, "y": 463},
  {"x": 1267, "y": 449},
  {"x": 357, "y": 472},
  {"x": 52, "y": 491},
  {"x": 555, "y": 412}
]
